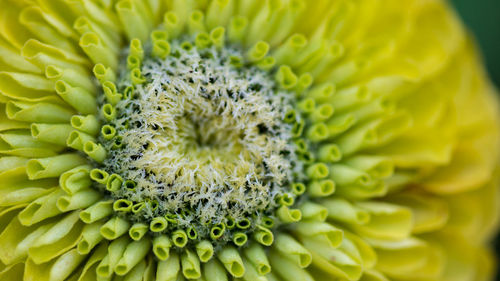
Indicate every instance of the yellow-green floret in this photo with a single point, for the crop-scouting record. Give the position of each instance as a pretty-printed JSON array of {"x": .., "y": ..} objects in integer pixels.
[
  {"x": 254, "y": 140},
  {"x": 202, "y": 140}
]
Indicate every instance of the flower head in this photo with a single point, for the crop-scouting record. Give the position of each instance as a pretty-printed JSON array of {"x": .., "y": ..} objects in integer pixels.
[{"x": 233, "y": 139}]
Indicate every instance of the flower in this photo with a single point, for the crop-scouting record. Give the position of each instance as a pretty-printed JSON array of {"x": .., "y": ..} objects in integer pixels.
[{"x": 255, "y": 140}]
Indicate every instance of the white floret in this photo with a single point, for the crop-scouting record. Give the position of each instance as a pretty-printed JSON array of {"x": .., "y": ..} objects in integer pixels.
[{"x": 204, "y": 149}]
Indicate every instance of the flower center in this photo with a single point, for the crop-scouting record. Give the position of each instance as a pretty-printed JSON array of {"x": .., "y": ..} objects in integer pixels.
[{"x": 202, "y": 140}]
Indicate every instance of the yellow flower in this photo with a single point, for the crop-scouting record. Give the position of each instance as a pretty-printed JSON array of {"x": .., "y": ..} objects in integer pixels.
[{"x": 244, "y": 139}]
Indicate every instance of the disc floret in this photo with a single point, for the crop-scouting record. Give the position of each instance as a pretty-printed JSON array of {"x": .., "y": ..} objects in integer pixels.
[{"x": 199, "y": 141}]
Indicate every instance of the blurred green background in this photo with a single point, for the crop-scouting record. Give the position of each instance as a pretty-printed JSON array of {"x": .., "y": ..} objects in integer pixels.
[{"x": 483, "y": 19}]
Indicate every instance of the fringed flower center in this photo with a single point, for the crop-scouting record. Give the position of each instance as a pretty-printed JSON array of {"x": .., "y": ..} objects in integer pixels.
[{"x": 202, "y": 139}]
